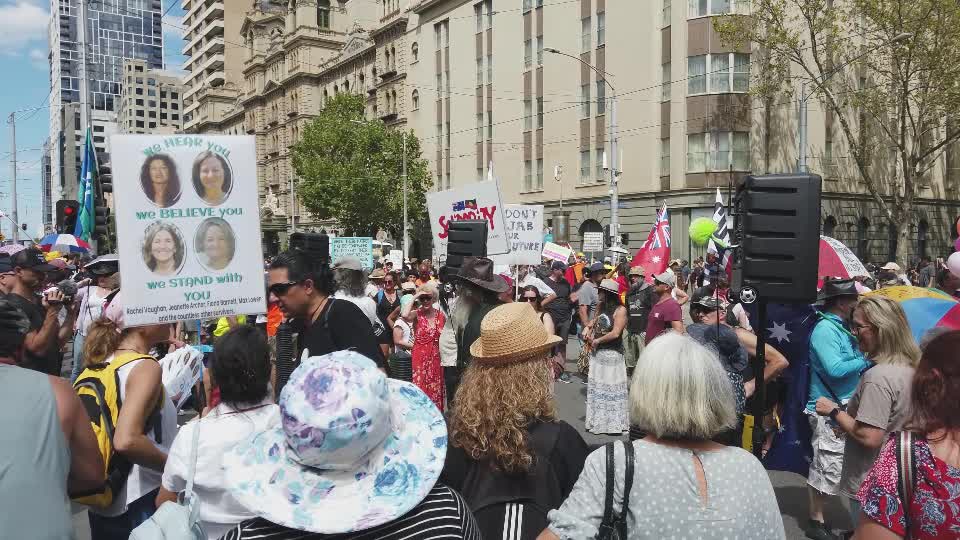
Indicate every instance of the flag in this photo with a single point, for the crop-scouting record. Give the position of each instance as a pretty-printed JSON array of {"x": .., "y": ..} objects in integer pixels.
[
  {"x": 88, "y": 173},
  {"x": 787, "y": 329},
  {"x": 655, "y": 253},
  {"x": 723, "y": 233}
]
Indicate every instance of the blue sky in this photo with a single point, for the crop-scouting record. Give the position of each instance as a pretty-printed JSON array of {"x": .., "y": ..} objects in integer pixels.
[{"x": 23, "y": 63}]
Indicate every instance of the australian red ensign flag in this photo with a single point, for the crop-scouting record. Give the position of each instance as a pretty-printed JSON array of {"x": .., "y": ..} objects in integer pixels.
[{"x": 655, "y": 253}]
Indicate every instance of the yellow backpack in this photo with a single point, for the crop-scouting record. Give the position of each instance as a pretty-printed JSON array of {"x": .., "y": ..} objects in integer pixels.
[{"x": 99, "y": 390}]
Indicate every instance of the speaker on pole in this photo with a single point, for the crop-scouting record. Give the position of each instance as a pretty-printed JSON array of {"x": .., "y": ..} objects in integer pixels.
[
  {"x": 777, "y": 238},
  {"x": 315, "y": 245},
  {"x": 466, "y": 238}
]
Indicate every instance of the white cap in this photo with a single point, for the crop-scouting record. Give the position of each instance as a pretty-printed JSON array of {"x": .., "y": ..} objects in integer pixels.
[
  {"x": 891, "y": 266},
  {"x": 953, "y": 264}
]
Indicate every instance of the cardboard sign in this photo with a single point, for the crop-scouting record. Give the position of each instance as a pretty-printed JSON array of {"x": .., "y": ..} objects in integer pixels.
[
  {"x": 524, "y": 224},
  {"x": 593, "y": 241},
  {"x": 556, "y": 252},
  {"x": 472, "y": 201},
  {"x": 396, "y": 256},
  {"x": 188, "y": 227},
  {"x": 358, "y": 247}
]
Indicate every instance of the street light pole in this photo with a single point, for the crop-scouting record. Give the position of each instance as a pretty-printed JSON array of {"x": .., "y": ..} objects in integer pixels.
[
  {"x": 614, "y": 143},
  {"x": 804, "y": 98},
  {"x": 406, "y": 227},
  {"x": 13, "y": 175}
]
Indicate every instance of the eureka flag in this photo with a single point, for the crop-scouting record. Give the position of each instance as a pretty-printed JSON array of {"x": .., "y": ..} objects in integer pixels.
[
  {"x": 655, "y": 253},
  {"x": 723, "y": 233}
]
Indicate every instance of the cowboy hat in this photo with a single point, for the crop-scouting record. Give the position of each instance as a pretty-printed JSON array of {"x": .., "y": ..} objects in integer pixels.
[
  {"x": 610, "y": 285},
  {"x": 636, "y": 271},
  {"x": 511, "y": 333},
  {"x": 354, "y": 450},
  {"x": 833, "y": 288},
  {"x": 479, "y": 271},
  {"x": 379, "y": 273}
]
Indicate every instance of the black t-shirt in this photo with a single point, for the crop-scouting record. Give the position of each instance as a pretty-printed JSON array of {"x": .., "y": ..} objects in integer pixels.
[
  {"x": 48, "y": 362},
  {"x": 340, "y": 326},
  {"x": 385, "y": 307},
  {"x": 640, "y": 300},
  {"x": 559, "y": 308}
]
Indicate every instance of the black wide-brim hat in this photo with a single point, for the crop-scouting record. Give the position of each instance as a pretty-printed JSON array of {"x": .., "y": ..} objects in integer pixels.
[
  {"x": 833, "y": 288},
  {"x": 479, "y": 271},
  {"x": 104, "y": 265}
]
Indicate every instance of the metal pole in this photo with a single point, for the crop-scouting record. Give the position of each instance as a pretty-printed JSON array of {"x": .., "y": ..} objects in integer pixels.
[
  {"x": 293, "y": 217},
  {"x": 13, "y": 176},
  {"x": 760, "y": 390},
  {"x": 406, "y": 226},
  {"x": 614, "y": 191},
  {"x": 802, "y": 136}
]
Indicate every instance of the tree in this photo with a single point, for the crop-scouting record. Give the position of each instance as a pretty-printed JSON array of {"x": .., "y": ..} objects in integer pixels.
[
  {"x": 349, "y": 169},
  {"x": 885, "y": 69}
]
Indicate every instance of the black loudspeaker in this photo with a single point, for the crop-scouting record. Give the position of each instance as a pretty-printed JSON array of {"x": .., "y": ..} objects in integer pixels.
[
  {"x": 466, "y": 238},
  {"x": 777, "y": 229},
  {"x": 315, "y": 245}
]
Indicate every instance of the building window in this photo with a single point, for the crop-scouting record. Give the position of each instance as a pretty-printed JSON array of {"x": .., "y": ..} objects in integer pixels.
[
  {"x": 478, "y": 15},
  {"x": 665, "y": 157},
  {"x": 829, "y": 226},
  {"x": 702, "y": 8},
  {"x": 585, "y": 166},
  {"x": 584, "y": 101},
  {"x": 527, "y": 53},
  {"x": 527, "y": 6},
  {"x": 601, "y": 29},
  {"x": 539, "y": 184},
  {"x": 665, "y": 15},
  {"x": 539, "y": 113},
  {"x": 479, "y": 127},
  {"x": 479, "y": 71},
  {"x": 488, "y": 9},
  {"x": 718, "y": 151},
  {"x": 922, "y": 229},
  {"x": 527, "y": 114},
  {"x": 539, "y": 50},
  {"x": 415, "y": 99},
  {"x": 490, "y": 69},
  {"x": 323, "y": 13},
  {"x": 415, "y": 52},
  {"x": 892, "y": 242},
  {"x": 665, "y": 84},
  {"x": 729, "y": 72},
  {"x": 585, "y": 31},
  {"x": 601, "y": 97},
  {"x": 489, "y": 124},
  {"x": 600, "y": 163},
  {"x": 527, "y": 174},
  {"x": 863, "y": 239}
]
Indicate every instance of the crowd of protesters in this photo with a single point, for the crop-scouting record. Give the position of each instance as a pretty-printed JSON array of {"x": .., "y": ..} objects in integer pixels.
[{"x": 422, "y": 405}]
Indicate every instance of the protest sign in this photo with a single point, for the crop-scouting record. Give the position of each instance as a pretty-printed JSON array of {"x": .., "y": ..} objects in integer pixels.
[
  {"x": 479, "y": 201},
  {"x": 556, "y": 252},
  {"x": 358, "y": 247},
  {"x": 188, "y": 227},
  {"x": 524, "y": 224},
  {"x": 593, "y": 241},
  {"x": 396, "y": 256}
]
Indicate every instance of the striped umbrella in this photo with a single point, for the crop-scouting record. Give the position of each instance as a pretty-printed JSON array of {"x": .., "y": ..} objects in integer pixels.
[
  {"x": 925, "y": 308},
  {"x": 64, "y": 243}
]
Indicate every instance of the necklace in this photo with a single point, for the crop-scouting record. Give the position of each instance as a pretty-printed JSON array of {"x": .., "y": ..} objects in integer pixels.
[
  {"x": 313, "y": 316},
  {"x": 138, "y": 351}
]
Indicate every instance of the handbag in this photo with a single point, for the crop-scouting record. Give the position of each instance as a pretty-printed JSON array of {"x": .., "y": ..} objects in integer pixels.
[
  {"x": 614, "y": 525},
  {"x": 176, "y": 520},
  {"x": 907, "y": 472},
  {"x": 583, "y": 360}
]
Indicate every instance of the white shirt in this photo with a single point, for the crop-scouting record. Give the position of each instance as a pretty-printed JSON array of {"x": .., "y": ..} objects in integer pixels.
[
  {"x": 531, "y": 279},
  {"x": 404, "y": 327},
  {"x": 371, "y": 290},
  {"x": 365, "y": 303},
  {"x": 220, "y": 431}
]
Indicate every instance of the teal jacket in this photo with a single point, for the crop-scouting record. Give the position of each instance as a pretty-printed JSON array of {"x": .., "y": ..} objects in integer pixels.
[{"x": 834, "y": 358}]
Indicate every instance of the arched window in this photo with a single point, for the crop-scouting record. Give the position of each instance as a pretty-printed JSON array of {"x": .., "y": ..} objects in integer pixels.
[
  {"x": 922, "y": 229},
  {"x": 393, "y": 58},
  {"x": 414, "y": 52},
  {"x": 415, "y": 100},
  {"x": 325, "y": 96},
  {"x": 346, "y": 87},
  {"x": 336, "y": 89},
  {"x": 323, "y": 13},
  {"x": 386, "y": 60},
  {"x": 394, "y": 99},
  {"x": 829, "y": 226},
  {"x": 863, "y": 239},
  {"x": 361, "y": 81},
  {"x": 589, "y": 225}
]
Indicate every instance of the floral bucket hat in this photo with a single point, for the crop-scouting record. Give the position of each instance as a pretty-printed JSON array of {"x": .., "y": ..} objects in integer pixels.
[{"x": 354, "y": 449}]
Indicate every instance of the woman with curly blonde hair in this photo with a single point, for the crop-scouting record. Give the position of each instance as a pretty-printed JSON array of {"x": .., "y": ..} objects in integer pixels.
[{"x": 509, "y": 456}]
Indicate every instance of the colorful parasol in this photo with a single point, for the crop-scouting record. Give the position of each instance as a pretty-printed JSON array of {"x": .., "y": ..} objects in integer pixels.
[
  {"x": 925, "y": 308},
  {"x": 64, "y": 243},
  {"x": 837, "y": 260}
]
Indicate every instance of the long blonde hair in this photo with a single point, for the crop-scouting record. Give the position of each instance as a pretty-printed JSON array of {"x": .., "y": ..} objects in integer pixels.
[
  {"x": 895, "y": 343},
  {"x": 493, "y": 408}
]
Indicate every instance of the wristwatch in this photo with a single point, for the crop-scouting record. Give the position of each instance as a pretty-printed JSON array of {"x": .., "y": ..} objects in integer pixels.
[{"x": 834, "y": 413}]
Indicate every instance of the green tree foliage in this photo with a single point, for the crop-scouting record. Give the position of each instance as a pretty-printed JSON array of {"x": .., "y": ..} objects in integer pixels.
[
  {"x": 349, "y": 169},
  {"x": 886, "y": 70}
]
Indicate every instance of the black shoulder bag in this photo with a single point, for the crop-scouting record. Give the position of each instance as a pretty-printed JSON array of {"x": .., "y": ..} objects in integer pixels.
[{"x": 614, "y": 526}]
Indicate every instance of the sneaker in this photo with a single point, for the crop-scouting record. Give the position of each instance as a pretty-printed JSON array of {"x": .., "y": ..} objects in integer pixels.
[
  {"x": 564, "y": 378},
  {"x": 818, "y": 531}
]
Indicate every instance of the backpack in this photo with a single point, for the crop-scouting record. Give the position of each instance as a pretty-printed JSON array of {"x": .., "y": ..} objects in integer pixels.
[{"x": 99, "y": 390}]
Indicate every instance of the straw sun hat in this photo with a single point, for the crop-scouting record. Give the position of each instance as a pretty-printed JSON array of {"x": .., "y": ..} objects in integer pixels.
[{"x": 511, "y": 333}]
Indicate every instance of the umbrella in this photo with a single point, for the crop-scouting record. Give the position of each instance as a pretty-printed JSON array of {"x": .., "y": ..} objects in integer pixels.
[
  {"x": 925, "y": 308},
  {"x": 836, "y": 260},
  {"x": 64, "y": 243}
]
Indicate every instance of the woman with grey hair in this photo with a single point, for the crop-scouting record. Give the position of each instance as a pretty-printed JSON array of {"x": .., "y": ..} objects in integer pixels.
[
  {"x": 681, "y": 397},
  {"x": 350, "y": 281}
]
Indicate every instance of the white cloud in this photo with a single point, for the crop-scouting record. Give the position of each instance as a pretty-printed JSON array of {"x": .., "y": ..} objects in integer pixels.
[
  {"x": 22, "y": 23},
  {"x": 173, "y": 26},
  {"x": 38, "y": 58}
]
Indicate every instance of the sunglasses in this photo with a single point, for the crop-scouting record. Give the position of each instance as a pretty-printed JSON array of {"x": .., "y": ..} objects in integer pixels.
[
  {"x": 281, "y": 289},
  {"x": 528, "y": 298}
]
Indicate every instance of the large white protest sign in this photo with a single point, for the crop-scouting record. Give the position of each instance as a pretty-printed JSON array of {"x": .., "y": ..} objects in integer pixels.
[
  {"x": 524, "y": 224},
  {"x": 480, "y": 201},
  {"x": 396, "y": 257},
  {"x": 593, "y": 241},
  {"x": 358, "y": 247},
  {"x": 556, "y": 252},
  {"x": 188, "y": 227}
]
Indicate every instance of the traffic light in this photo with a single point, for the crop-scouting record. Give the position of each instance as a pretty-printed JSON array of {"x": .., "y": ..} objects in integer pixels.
[
  {"x": 105, "y": 177},
  {"x": 101, "y": 216},
  {"x": 67, "y": 213}
]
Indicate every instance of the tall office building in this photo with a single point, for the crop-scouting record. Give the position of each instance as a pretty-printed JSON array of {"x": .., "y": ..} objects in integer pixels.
[
  {"x": 151, "y": 101},
  {"x": 115, "y": 30}
]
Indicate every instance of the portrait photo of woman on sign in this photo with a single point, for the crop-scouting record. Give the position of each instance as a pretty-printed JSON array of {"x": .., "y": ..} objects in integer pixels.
[
  {"x": 159, "y": 180},
  {"x": 215, "y": 243},
  {"x": 163, "y": 248},
  {"x": 212, "y": 178}
]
